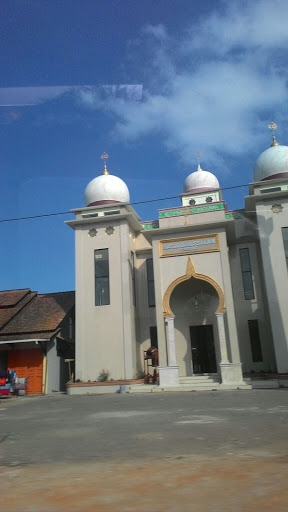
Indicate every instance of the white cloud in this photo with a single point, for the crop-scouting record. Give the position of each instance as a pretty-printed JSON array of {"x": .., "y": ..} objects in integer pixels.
[
  {"x": 247, "y": 24},
  {"x": 213, "y": 87},
  {"x": 89, "y": 94}
]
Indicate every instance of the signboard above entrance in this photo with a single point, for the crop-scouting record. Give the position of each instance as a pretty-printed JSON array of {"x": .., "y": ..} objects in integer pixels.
[{"x": 189, "y": 245}]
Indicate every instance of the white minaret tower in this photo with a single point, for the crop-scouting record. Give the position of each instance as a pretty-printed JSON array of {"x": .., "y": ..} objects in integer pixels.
[
  {"x": 269, "y": 200},
  {"x": 105, "y": 246}
]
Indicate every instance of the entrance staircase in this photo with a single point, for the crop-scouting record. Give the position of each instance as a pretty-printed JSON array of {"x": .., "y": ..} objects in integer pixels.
[
  {"x": 203, "y": 382},
  {"x": 209, "y": 381}
]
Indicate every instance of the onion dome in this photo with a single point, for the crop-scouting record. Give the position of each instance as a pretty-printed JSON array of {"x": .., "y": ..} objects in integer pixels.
[
  {"x": 272, "y": 163},
  {"x": 200, "y": 181},
  {"x": 106, "y": 189}
]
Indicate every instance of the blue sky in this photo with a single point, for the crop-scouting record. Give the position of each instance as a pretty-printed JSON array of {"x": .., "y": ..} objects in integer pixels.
[{"x": 186, "y": 76}]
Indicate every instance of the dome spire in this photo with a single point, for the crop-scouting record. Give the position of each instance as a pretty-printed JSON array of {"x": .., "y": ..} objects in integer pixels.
[
  {"x": 105, "y": 157},
  {"x": 200, "y": 180},
  {"x": 106, "y": 189},
  {"x": 273, "y": 126},
  {"x": 198, "y": 154},
  {"x": 273, "y": 162}
]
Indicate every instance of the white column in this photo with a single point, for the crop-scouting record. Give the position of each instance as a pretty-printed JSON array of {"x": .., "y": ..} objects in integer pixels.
[
  {"x": 170, "y": 337},
  {"x": 231, "y": 373},
  {"x": 222, "y": 337},
  {"x": 169, "y": 375}
]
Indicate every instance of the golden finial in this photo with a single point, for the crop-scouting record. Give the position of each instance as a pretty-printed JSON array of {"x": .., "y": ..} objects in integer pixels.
[
  {"x": 198, "y": 154},
  {"x": 105, "y": 157},
  {"x": 273, "y": 126}
]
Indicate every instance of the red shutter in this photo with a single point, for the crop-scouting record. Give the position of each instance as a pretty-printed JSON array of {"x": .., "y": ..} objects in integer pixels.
[{"x": 28, "y": 363}]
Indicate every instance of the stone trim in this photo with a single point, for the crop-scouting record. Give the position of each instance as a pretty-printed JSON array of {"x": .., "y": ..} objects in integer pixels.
[
  {"x": 192, "y": 273},
  {"x": 174, "y": 212}
]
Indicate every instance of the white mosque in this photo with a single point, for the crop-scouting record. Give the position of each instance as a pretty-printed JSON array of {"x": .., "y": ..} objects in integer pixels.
[{"x": 206, "y": 286}]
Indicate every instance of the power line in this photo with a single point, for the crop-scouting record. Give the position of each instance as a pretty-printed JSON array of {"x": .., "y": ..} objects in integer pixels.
[
  {"x": 176, "y": 197},
  {"x": 35, "y": 216},
  {"x": 43, "y": 215}
]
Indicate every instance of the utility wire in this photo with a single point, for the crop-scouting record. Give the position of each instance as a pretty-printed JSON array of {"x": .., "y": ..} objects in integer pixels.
[
  {"x": 132, "y": 204},
  {"x": 34, "y": 216}
]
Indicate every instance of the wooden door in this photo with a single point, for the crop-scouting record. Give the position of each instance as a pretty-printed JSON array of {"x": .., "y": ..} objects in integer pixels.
[{"x": 203, "y": 349}]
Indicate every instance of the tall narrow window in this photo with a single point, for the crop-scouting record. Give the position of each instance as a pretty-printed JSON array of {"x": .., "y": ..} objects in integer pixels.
[
  {"x": 246, "y": 274},
  {"x": 133, "y": 277},
  {"x": 285, "y": 242},
  {"x": 153, "y": 336},
  {"x": 255, "y": 341},
  {"x": 150, "y": 282},
  {"x": 102, "y": 292}
]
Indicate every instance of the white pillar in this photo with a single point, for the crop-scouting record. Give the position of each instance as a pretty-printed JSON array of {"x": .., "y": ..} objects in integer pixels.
[
  {"x": 169, "y": 375},
  {"x": 170, "y": 337},
  {"x": 231, "y": 373},
  {"x": 222, "y": 337}
]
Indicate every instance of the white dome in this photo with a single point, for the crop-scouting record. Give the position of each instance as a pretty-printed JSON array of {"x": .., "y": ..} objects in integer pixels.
[
  {"x": 272, "y": 163},
  {"x": 200, "y": 180},
  {"x": 106, "y": 189}
]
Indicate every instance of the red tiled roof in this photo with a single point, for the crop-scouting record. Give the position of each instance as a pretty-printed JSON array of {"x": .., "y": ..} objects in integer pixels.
[
  {"x": 8, "y": 312},
  {"x": 41, "y": 335},
  {"x": 10, "y": 298},
  {"x": 38, "y": 317}
]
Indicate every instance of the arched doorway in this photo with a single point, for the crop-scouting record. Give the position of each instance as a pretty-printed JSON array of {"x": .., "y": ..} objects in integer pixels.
[{"x": 194, "y": 303}]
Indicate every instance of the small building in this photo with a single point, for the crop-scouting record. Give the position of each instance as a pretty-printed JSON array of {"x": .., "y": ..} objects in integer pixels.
[
  {"x": 206, "y": 285},
  {"x": 36, "y": 335}
]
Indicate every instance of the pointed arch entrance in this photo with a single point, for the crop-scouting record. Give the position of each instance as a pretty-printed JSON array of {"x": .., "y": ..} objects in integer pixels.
[
  {"x": 193, "y": 306},
  {"x": 190, "y": 272}
]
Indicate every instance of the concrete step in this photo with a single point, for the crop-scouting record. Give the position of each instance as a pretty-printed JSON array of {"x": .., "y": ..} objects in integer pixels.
[
  {"x": 202, "y": 375},
  {"x": 147, "y": 388},
  {"x": 200, "y": 386},
  {"x": 196, "y": 381},
  {"x": 264, "y": 384},
  {"x": 182, "y": 387},
  {"x": 199, "y": 379},
  {"x": 141, "y": 388}
]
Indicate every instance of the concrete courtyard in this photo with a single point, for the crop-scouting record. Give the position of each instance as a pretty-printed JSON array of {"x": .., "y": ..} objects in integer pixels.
[{"x": 159, "y": 452}]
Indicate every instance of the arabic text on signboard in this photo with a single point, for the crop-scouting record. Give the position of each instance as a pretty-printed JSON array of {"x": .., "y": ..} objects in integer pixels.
[{"x": 189, "y": 245}]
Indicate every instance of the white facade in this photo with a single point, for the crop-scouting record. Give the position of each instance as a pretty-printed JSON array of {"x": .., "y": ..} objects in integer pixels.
[{"x": 217, "y": 292}]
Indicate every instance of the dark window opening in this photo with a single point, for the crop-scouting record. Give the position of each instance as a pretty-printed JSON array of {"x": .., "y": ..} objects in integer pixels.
[
  {"x": 133, "y": 277},
  {"x": 285, "y": 242},
  {"x": 153, "y": 336},
  {"x": 150, "y": 282},
  {"x": 255, "y": 341},
  {"x": 102, "y": 286},
  {"x": 269, "y": 190},
  {"x": 246, "y": 274},
  {"x": 112, "y": 212}
]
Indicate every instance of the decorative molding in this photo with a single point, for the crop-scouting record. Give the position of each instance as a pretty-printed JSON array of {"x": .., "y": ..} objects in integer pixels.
[
  {"x": 151, "y": 225},
  {"x": 110, "y": 230},
  {"x": 92, "y": 232},
  {"x": 189, "y": 274},
  {"x": 174, "y": 212},
  {"x": 235, "y": 215},
  {"x": 277, "y": 208}
]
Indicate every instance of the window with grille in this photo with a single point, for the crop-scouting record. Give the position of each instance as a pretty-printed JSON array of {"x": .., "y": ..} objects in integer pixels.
[
  {"x": 102, "y": 286},
  {"x": 150, "y": 282},
  {"x": 246, "y": 274}
]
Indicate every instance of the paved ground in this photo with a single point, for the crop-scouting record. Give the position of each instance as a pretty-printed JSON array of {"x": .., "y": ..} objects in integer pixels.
[{"x": 166, "y": 452}]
